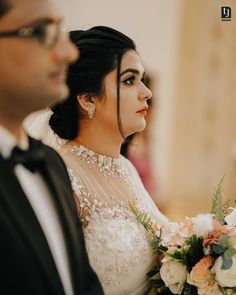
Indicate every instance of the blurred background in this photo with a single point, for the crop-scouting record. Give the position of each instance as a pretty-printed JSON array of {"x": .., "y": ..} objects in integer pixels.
[{"x": 189, "y": 53}]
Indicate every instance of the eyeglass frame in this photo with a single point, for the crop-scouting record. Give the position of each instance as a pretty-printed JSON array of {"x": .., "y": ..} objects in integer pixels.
[{"x": 38, "y": 31}]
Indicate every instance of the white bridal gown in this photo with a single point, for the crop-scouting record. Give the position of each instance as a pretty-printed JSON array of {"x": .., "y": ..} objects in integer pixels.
[{"x": 117, "y": 244}]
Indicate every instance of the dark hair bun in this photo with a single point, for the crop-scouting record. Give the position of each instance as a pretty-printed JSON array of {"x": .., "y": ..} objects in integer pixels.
[{"x": 64, "y": 120}]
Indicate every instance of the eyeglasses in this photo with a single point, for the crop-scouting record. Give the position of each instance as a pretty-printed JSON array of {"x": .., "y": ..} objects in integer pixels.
[{"x": 47, "y": 33}]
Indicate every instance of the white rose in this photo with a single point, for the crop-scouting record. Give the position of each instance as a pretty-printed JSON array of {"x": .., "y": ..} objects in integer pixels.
[
  {"x": 174, "y": 275},
  {"x": 231, "y": 218},
  {"x": 225, "y": 277},
  {"x": 202, "y": 224}
]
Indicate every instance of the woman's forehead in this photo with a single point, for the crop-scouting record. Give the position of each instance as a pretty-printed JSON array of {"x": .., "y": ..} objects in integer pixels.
[{"x": 132, "y": 60}]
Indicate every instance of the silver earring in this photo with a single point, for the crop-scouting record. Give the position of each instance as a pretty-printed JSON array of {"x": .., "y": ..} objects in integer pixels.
[{"x": 91, "y": 110}]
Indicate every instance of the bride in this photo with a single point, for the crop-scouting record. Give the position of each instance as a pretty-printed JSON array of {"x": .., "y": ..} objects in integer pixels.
[{"x": 108, "y": 102}]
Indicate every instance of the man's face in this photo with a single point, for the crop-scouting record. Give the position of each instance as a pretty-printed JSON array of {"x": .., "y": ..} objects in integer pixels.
[{"x": 32, "y": 74}]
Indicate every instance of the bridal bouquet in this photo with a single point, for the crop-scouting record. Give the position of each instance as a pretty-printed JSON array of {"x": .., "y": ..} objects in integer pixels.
[{"x": 198, "y": 255}]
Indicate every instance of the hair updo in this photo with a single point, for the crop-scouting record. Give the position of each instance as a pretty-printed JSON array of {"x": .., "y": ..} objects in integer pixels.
[{"x": 101, "y": 50}]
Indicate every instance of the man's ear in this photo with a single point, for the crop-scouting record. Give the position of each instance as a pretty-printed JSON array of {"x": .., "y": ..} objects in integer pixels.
[{"x": 86, "y": 101}]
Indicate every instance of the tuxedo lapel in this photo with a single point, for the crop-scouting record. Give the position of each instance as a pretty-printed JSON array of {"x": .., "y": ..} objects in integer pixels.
[
  {"x": 61, "y": 197},
  {"x": 53, "y": 169},
  {"x": 18, "y": 208}
]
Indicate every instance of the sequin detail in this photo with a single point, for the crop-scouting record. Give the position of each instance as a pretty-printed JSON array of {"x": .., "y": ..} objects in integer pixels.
[{"x": 112, "y": 167}]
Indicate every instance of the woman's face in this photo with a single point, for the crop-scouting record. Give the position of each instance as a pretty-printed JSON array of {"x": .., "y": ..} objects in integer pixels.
[{"x": 133, "y": 96}]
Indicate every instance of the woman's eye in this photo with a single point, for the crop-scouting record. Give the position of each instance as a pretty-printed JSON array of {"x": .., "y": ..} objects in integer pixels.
[
  {"x": 129, "y": 81},
  {"x": 143, "y": 80}
]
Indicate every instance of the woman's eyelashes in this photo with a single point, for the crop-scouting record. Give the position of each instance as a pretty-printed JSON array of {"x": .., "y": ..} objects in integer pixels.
[
  {"x": 143, "y": 80},
  {"x": 131, "y": 80}
]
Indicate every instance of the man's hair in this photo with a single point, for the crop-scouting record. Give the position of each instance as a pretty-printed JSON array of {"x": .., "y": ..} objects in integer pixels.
[{"x": 4, "y": 7}]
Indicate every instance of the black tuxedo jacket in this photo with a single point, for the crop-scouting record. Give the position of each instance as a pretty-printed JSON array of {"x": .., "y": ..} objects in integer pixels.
[{"x": 26, "y": 264}]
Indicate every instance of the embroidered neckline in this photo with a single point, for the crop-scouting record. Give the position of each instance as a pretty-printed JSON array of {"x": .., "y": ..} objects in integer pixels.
[{"x": 109, "y": 166}]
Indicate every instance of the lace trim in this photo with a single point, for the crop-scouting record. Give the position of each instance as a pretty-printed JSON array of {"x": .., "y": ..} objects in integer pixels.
[{"x": 112, "y": 167}]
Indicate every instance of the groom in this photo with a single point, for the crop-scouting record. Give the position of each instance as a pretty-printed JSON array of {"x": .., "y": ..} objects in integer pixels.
[{"x": 42, "y": 250}]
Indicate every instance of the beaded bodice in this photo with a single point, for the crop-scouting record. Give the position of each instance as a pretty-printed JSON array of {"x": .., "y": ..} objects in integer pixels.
[{"x": 117, "y": 245}]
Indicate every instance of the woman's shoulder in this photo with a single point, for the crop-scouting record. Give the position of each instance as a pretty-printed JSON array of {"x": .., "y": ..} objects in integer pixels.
[{"x": 130, "y": 167}]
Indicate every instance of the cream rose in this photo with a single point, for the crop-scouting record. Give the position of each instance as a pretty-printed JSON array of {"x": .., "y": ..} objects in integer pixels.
[
  {"x": 225, "y": 277},
  {"x": 174, "y": 275}
]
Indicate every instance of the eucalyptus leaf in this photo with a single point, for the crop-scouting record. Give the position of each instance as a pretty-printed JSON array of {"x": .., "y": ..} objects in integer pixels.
[
  {"x": 229, "y": 253},
  {"x": 227, "y": 263},
  {"x": 224, "y": 241},
  {"x": 218, "y": 249}
]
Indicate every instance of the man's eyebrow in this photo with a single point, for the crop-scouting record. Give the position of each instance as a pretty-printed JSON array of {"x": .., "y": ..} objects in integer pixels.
[
  {"x": 42, "y": 21},
  {"x": 131, "y": 70}
]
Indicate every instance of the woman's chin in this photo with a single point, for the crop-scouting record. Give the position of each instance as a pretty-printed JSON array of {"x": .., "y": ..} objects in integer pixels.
[{"x": 138, "y": 128}]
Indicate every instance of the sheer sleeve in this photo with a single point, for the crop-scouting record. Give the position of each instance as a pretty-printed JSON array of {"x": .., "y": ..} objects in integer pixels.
[{"x": 144, "y": 199}]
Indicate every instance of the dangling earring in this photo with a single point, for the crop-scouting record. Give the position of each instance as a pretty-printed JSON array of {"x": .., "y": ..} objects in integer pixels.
[{"x": 91, "y": 110}]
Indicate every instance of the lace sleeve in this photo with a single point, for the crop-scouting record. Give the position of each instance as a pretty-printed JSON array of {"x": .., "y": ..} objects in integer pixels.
[
  {"x": 85, "y": 206},
  {"x": 145, "y": 200}
]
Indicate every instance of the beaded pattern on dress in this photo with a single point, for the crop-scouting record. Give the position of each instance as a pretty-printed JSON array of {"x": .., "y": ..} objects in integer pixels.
[{"x": 112, "y": 167}]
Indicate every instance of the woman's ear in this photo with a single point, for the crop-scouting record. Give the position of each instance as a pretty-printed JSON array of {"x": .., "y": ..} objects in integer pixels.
[{"x": 87, "y": 103}]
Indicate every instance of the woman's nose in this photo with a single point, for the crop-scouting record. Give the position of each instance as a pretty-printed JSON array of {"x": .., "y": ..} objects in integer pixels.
[{"x": 146, "y": 93}]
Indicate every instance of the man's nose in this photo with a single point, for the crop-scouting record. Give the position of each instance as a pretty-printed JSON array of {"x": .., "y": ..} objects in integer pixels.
[{"x": 65, "y": 50}]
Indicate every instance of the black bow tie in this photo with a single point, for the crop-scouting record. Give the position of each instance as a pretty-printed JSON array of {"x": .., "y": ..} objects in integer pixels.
[{"x": 31, "y": 158}]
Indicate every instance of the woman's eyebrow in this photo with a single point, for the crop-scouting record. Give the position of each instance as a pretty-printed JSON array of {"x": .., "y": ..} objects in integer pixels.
[{"x": 134, "y": 71}]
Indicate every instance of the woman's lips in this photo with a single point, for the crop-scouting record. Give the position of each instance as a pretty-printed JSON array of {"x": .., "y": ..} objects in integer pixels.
[{"x": 143, "y": 111}]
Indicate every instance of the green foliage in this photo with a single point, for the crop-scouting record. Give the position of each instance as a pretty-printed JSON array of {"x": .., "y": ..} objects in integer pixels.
[
  {"x": 191, "y": 253},
  {"x": 195, "y": 250},
  {"x": 227, "y": 258},
  {"x": 225, "y": 250},
  {"x": 229, "y": 253},
  {"x": 226, "y": 263},
  {"x": 218, "y": 249},
  {"x": 220, "y": 208},
  {"x": 155, "y": 243},
  {"x": 142, "y": 218},
  {"x": 158, "y": 287},
  {"x": 224, "y": 241},
  {"x": 189, "y": 290},
  {"x": 180, "y": 255}
]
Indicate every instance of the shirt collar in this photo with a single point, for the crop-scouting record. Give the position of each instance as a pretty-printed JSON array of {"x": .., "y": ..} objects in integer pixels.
[{"x": 8, "y": 141}]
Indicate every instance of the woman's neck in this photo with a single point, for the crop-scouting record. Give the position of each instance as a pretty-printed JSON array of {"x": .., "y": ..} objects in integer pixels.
[{"x": 99, "y": 139}]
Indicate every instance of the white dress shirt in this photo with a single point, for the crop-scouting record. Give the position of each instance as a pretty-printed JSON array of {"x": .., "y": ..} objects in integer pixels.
[{"x": 38, "y": 195}]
